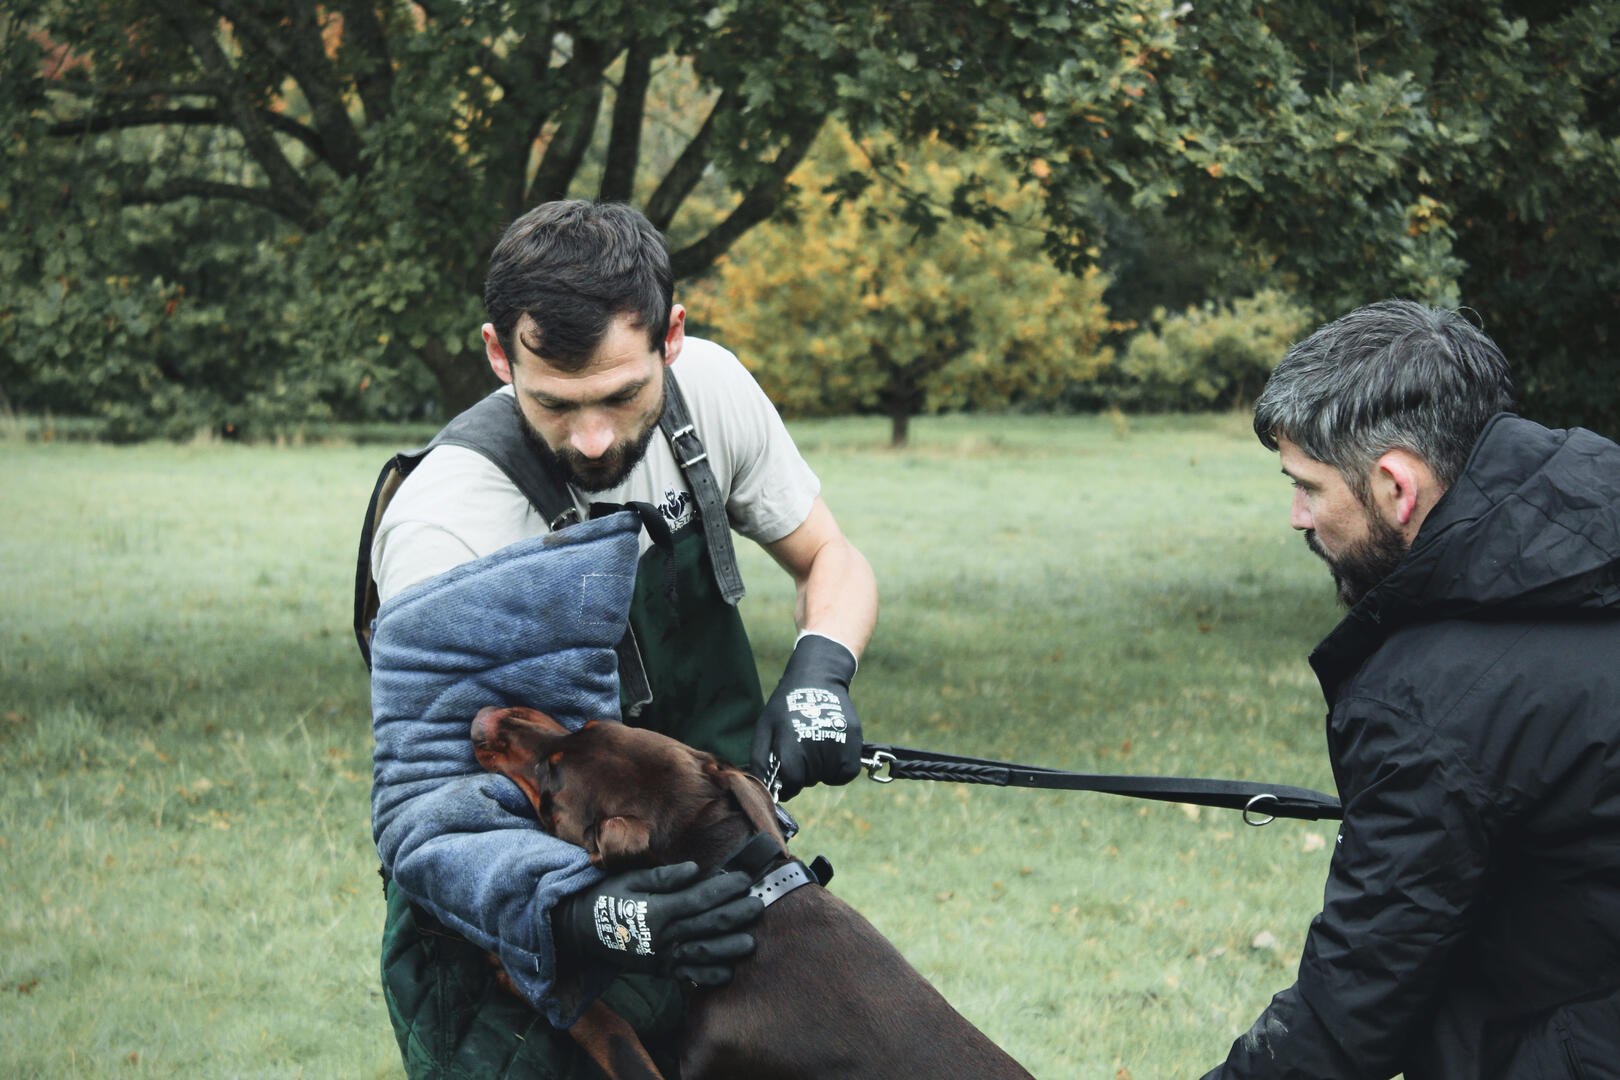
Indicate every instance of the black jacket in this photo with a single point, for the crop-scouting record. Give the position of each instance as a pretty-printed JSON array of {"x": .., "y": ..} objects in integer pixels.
[{"x": 1471, "y": 920}]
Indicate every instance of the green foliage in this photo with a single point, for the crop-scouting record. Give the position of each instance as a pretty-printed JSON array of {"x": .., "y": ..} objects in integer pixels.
[
  {"x": 1210, "y": 356},
  {"x": 187, "y": 879},
  {"x": 844, "y": 311},
  {"x": 323, "y": 181},
  {"x": 1345, "y": 153},
  {"x": 1358, "y": 151}
]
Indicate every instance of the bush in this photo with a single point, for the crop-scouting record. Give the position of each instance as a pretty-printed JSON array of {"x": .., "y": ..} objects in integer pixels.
[{"x": 1212, "y": 356}]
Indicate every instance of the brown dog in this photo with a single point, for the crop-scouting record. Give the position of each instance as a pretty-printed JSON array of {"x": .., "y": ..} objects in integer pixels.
[{"x": 824, "y": 993}]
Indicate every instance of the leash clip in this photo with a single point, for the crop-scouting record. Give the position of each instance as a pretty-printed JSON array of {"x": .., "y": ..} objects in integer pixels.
[
  {"x": 1261, "y": 817},
  {"x": 772, "y": 782},
  {"x": 880, "y": 759}
]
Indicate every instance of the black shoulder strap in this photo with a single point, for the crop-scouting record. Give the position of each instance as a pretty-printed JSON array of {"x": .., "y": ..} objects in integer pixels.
[
  {"x": 694, "y": 462},
  {"x": 493, "y": 428}
]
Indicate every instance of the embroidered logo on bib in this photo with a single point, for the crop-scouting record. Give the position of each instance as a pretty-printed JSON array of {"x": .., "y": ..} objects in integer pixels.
[
  {"x": 817, "y": 715},
  {"x": 622, "y": 924},
  {"x": 677, "y": 508}
]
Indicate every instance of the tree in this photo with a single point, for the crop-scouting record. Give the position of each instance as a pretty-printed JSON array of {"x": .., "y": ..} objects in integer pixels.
[
  {"x": 1209, "y": 356},
  {"x": 364, "y": 156},
  {"x": 845, "y": 309},
  {"x": 1453, "y": 153},
  {"x": 1450, "y": 153}
]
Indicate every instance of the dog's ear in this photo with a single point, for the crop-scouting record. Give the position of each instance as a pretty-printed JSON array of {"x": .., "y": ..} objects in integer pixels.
[
  {"x": 506, "y": 740},
  {"x": 622, "y": 843},
  {"x": 750, "y": 796}
]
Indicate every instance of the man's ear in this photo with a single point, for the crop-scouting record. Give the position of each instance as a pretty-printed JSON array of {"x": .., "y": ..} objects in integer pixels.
[
  {"x": 675, "y": 336},
  {"x": 499, "y": 362},
  {"x": 1403, "y": 490}
]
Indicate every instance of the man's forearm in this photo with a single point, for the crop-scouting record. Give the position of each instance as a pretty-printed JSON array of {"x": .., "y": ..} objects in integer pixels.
[{"x": 838, "y": 597}]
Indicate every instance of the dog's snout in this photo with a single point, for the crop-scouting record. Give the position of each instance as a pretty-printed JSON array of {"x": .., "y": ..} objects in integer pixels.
[{"x": 485, "y": 728}]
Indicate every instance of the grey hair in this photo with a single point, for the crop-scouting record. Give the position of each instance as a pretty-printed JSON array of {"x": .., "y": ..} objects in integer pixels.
[{"x": 1391, "y": 375}]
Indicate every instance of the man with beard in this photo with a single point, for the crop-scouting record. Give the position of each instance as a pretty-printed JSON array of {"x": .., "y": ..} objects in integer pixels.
[
  {"x": 608, "y": 401},
  {"x": 1471, "y": 919}
]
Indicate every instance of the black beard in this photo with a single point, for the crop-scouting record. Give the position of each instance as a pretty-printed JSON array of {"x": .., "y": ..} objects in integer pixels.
[
  {"x": 586, "y": 474},
  {"x": 1362, "y": 566}
]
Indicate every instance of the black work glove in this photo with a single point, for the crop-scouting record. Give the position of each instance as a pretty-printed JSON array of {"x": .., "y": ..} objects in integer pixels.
[
  {"x": 809, "y": 733},
  {"x": 662, "y": 920}
]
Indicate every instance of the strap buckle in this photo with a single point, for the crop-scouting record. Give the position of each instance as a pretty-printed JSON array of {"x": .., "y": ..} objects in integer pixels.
[
  {"x": 570, "y": 516},
  {"x": 880, "y": 760},
  {"x": 674, "y": 438}
]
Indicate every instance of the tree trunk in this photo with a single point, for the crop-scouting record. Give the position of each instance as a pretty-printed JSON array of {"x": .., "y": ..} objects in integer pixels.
[
  {"x": 900, "y": 397},
  {"x": 899, "y": 427},
  {"x": 464, "y": 377}
]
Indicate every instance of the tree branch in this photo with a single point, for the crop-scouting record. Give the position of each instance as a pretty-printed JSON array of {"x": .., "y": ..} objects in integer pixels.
[
  {"x": 688, "y": 169},
  {"x": 573, "y": 135},
  {"x": 624, "y": 139},
  {"x": 761, "y": 200},
  {"x": 294, "y": 197},
  {"x": 136, "y": 91},
  {"x": 529, "y": 95},
  {"x": 499, "y": 72},
  {"x": 374, "y": 68},
  {"x": 184, "y": 188},
  {"x": 297, "y": 46},
  {"x": 92, "y": 123}
]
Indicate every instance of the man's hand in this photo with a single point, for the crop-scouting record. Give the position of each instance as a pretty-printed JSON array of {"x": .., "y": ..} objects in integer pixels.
[
  {"x": 809, "y": 733},
  {"x": 662, "y": 920}
]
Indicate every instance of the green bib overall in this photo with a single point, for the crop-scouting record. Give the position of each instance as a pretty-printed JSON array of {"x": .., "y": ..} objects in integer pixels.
[{"x": 451, "y": 1018}]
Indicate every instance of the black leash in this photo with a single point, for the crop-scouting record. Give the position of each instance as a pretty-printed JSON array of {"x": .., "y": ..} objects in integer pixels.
[{"x": 1260, "y": 803}]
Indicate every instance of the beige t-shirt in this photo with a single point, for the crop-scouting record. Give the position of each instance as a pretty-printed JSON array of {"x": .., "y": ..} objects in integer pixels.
[{"x": 457, "y": 505}]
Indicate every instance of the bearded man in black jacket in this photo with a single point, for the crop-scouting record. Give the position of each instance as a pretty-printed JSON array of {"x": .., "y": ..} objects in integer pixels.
[{"x": 1470, "y": 926}]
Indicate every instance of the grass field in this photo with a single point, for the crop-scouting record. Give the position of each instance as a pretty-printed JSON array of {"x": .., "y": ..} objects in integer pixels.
[{"x": 187, "y": 882}]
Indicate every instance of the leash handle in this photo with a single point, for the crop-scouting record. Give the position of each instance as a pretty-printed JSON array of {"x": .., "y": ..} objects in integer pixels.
[{"x": 1259, "y": 803}]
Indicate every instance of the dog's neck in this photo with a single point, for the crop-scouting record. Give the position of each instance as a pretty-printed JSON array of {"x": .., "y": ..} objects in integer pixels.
[{"x": 719, "y": 829}]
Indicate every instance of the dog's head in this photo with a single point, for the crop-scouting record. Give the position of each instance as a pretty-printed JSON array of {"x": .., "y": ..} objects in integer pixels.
[{"x": 628, "y": 796}]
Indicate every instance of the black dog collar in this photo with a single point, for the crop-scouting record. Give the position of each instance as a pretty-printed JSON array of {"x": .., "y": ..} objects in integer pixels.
[
  {"x": 781, "y": 881},
  {"x": 754, "y": 858}
]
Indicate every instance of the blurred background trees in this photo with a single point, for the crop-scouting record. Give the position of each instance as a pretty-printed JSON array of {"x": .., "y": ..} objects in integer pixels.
[
  {"x": 271, "y": 212},
  {"x": 842, "y": 311}
]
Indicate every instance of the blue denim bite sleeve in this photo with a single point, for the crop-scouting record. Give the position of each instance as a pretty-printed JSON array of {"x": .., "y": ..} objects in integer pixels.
[{"x": 533, "y": 624}]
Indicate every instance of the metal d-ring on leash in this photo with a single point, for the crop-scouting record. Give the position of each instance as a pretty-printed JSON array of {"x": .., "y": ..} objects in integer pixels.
[
  {"x": 1249, "y": 806},
  {"x": 1260, "y": 804}
]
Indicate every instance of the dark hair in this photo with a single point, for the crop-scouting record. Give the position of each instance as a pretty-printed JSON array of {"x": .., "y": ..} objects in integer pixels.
[
  {"x": 573, "y": 266},
  {"x": 1390, "y": 375}
]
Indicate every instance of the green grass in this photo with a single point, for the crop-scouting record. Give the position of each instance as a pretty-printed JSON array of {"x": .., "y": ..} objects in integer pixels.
[{"x": 187, "y": 884}]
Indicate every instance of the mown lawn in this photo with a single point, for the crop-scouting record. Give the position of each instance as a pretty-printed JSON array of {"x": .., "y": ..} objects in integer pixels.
[{"x": 187, "y": 883}]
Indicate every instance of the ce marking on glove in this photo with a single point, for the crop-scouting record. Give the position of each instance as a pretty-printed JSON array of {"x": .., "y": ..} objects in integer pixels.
[{"x": 622, "y": 924}]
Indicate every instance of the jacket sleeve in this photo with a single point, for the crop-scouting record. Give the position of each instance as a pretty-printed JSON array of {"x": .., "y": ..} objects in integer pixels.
[
  {"x": 534, "y": 624},
  {"x": 1409, "y": 862}
]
